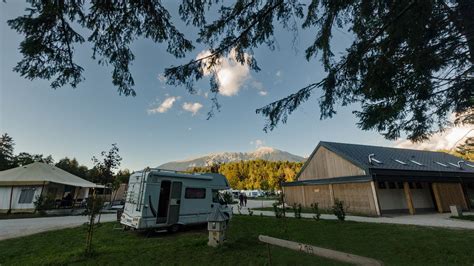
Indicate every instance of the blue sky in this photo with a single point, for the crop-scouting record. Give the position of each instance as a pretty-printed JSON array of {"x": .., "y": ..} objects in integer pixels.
[{"x": 82, "y": 122}]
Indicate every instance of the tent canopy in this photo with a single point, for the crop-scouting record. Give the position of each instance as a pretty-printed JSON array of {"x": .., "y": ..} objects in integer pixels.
[{"x": 39, "y": 173}]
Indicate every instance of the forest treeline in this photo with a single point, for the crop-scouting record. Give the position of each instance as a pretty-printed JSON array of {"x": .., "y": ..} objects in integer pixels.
[{"x": 255, "y": 174}]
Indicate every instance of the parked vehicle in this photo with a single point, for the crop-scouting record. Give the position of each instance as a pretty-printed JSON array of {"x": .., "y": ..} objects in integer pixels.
[
  {"x": 159, "y": 198},
  {"x": 253, "y": 193}
]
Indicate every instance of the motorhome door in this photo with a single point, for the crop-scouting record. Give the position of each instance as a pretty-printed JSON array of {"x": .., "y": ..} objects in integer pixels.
[
  {"x": 175, "y": 201},
  {"x": 163, "y": 202}
]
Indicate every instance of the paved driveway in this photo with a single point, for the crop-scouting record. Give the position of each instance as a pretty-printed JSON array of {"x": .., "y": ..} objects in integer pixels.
[
  {"x": 11, "y": 228},
  {"x": 432, "y": 219}
]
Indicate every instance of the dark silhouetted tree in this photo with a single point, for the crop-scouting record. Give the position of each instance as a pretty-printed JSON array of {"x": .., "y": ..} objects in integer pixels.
[
  {"x": 409, "y": 67},
  {"x": 7, "y": 159},
  {"x": 24, "y": 158}
]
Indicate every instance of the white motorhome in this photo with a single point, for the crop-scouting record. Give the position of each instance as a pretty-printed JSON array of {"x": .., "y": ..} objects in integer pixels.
[{"x": 158, "y": 198}]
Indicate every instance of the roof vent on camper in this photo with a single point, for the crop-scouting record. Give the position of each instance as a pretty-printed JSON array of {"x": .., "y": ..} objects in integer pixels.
[
  {"x": 400, "y": 162},
  {"x": 417, "y": 163},
  {"x": 372, "y": 160},
  {"x": 458, "y": 164}
]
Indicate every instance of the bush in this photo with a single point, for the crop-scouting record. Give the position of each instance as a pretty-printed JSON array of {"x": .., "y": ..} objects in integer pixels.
[
  {"x": 43, "y": 203},
  {"x": 297, "y": 210},
  {"x": 316, "y": 210},
  {"x": 227, "y": 197},
  {"x": 338, "y": 210},
  {"x": 279, "y": 212}
]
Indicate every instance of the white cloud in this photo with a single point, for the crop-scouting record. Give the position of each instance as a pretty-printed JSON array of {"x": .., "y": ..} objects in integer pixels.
[
  {"x": 278, "y": 73},
  {"x": 164, "y": 106},
  {"x": 192, "y": 107},
  {"x": 258, "y": 143},
  {"x": 162, "y": 78},
  {"x": 259, "y": 86},
  {"x": 441, "y": 141},
  {"x": 231, "y": 75}
]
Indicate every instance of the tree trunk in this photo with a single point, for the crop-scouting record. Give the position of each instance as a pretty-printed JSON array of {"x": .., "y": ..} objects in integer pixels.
[{"x": 466, "y": 19}]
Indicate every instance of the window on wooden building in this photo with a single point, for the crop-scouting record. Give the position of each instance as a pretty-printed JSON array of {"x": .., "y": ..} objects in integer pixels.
[
  {"x": 391, "y": 185},
  {"x": 400, "y": 185},
  {"x": 382, "y": 185}
]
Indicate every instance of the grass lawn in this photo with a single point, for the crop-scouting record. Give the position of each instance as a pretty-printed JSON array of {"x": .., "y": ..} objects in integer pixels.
[
  {"x": 290, "y": 210},
  {"x": 464, "y": 217},
  {"x": 393, "y": 244}
]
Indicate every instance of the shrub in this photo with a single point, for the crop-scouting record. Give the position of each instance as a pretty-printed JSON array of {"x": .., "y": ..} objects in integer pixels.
[
  {"x": 43, "y": 203},
  {"x": 338, "y": 210},
  {"x": 279, "y": 211},
  {"x": 297, "y": 210},
  {"x": 227, "y": 197},
  {"x": 316, "y": 210}
]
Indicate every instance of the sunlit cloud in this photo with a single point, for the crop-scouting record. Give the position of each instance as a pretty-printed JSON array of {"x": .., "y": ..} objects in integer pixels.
[
  {"x": 164, "y": 106},
  {"x": 446, "y": 140},
  {"x": 231, "y": 75},
  {"x": 192, "y": 107}
]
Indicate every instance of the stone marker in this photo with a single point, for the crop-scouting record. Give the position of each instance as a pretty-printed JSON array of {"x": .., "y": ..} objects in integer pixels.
[{"x": 455, "y": 210}]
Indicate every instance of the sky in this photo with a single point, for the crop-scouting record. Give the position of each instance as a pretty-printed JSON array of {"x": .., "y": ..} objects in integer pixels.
[{"x": 165, "y": 123}]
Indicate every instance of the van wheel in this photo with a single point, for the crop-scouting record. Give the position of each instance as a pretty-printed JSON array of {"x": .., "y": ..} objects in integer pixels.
[{"x": 174, "y": 228}]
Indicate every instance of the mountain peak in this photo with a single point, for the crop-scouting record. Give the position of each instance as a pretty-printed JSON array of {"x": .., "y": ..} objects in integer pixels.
[{"x": 263, "y": 153}]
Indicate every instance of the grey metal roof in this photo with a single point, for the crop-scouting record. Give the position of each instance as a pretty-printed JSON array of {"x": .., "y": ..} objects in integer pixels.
[{"x": 359, "y": 155}]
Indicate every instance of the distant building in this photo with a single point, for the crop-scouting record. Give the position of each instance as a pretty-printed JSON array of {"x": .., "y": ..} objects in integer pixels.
[
  {"x": 374, "y": 180},
  {"x": 20, "y": 186}
]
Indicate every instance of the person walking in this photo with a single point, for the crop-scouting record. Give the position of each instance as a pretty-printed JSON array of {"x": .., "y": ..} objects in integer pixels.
[
  {"x": 241, "y": 199},
  {"x": 245, "y": 200}
]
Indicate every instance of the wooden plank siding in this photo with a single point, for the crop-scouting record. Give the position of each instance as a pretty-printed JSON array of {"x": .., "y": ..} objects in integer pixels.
[
  {"x": 327, "y": 164},
  {"x": 358, "y": 197},
  {"x": 449, "y": 194}
]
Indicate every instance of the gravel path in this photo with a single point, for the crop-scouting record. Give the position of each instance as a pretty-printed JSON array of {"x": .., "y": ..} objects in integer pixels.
[
  {"x": 432, "y": 219},
  {"x": 11, "y": 228}
]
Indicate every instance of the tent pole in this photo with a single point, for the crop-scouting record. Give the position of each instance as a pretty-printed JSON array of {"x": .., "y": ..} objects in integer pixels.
[
  {"x": 75, "y": 198},
  {"x": 10, "y": 206}
]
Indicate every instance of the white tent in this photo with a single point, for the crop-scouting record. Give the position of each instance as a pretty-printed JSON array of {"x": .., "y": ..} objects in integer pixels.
[{"x": 21, "y": 185}]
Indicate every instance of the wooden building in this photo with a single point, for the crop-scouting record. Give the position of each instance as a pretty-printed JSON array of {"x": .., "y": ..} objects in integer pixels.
[{"x": 373, "y": 180}]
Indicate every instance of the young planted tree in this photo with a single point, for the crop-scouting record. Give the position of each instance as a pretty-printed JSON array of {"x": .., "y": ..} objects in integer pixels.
[
  {"x": 409, "y": 66},
  {"x": 104, "y": 167}
]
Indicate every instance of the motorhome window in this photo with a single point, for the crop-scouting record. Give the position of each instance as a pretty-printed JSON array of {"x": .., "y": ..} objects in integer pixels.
[
  {"x": 26, "y": 195},
  {"x": 215, "y": 196},
  {"x": 195, "y": 193}
]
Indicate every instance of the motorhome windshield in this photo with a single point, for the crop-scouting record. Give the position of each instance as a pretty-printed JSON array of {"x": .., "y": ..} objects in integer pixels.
[{"x": 217, "y": 197}]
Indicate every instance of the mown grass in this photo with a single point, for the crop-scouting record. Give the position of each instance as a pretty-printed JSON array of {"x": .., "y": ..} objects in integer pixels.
[
  {"x": 464, "y": 217},
  {"x": 392, "y": 244}
]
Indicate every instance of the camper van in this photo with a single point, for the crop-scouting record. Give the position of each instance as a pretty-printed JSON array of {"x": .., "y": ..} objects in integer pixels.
[{"x": 167, "y": 199}]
